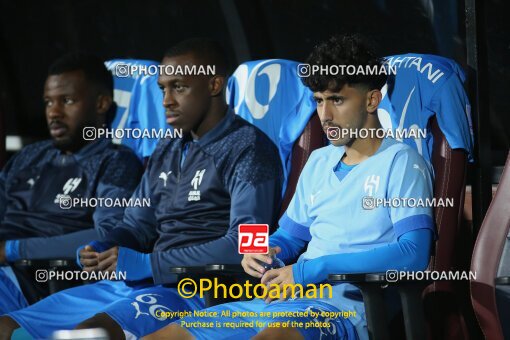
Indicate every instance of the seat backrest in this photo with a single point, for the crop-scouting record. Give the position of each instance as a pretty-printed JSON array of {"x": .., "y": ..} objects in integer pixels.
[
  {"x": 426, "y": 92},
  {"x": 270, "y": 95},
  {"x": 488, "y": 261},
  {"x": 443, "y": 299},
  {"x": 311, "y": 138},
  {"x": 425, "y": 86},
  {"x": 450, "y": 169},
  {"x": 139, "y": 103}
]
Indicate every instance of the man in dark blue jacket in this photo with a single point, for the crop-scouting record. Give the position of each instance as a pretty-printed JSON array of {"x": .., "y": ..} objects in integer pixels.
[
  {"x": 222, "y": 173},
  {"x": 38, "y": 183}
]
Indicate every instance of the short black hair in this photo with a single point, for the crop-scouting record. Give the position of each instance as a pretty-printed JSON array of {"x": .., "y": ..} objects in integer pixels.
[
  {"x": 94, "y": 70},
  {"x": 348, "y": 49},
  {"x": 92, "y": 66},
  {"x": 209, "y": 51}
]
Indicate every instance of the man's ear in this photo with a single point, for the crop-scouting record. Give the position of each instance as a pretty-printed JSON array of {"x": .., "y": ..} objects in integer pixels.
[
  {"x": 216, "y": 85},
  {"x": 374, "y": 97},
  {"x": 103, "y": 103}
]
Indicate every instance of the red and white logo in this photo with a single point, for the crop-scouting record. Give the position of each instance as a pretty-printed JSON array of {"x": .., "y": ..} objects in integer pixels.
[{"x": 253, "y": 239}]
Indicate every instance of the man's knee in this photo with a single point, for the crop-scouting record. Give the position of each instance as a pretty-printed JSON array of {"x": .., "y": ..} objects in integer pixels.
[
  {"x": 7, "y": 326},
  {"x": 172, "y": 331},
  {"x": 279, "y": 333},
  {"x": 104, "y": 321}
]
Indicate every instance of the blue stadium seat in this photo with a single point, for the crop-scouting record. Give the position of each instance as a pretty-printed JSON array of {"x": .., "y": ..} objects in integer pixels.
[
  {"x": 139, "y": 104},
  {"x": 270, "y": 95},
  {"x": 426, "y": 86}
]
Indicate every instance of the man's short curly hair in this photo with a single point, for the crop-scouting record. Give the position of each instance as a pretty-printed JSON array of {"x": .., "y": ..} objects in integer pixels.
[
  {"x": 352, "y": 49},
  {"x": 94, "y": 70}
]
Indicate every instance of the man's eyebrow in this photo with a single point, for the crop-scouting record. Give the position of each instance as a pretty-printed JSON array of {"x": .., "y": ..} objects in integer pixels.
[
  {"x": 171, "y": 81},
  {"x": 335, "y": 97},
  {"x": 59, "y": 94},
  {"x": 331, "y": 97}
]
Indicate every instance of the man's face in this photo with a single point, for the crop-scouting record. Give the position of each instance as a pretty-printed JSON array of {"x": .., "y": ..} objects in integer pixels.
[
  {"x": 187, "y": 99},
  {"x": 342, "y": 112},
  {"x": 71, "y": 105}
]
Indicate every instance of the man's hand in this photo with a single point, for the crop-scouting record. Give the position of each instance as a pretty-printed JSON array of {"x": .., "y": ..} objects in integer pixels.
[
  {"x": 108, "y": 260},
  {"x": 252, "y": 267},
  {"x": 281, "y": 277},
  {"x": 88, "y": 259},
  {"x": 3, "y": 259}
]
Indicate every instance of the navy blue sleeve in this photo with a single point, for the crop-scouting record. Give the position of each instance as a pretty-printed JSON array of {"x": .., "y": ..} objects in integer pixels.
[
  {"x": 411, "y": 252},
  {"x": 246, "y": 208},
  {"x": 3, "y": 178},
  {"x": 62, "y": 246},
  {"x": 255, "y": 188},
  {"x": 291, "y": 246},
  {"x": 137, "y": 229},
  {"x": 118, "y": 181},
  {"x": 113, "y": 183}
]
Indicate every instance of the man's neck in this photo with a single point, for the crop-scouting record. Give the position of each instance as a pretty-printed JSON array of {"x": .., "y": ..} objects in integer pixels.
[
  {"x": 216, "y": 114},
  {"x": 76, "y": 148},
  {"x": 362, "y": 148}
]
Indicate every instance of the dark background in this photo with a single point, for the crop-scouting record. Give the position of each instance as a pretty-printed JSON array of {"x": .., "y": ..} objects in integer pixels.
[{"x": 33, "y": 34}]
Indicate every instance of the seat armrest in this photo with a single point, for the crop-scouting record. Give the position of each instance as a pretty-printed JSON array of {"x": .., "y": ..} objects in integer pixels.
[
  {"x": 226, "y": 269},
  {"x": 45, "y": 263},
  {"x": 51, "y": 266},
  {"x": 194, "y": 272},
  {"x": 191, "y": 270},
  {"x": 380, "y": 278},
  {"x": 502, "y": 281},
  {"x": 228, "y": 272},
  {"x": 372, "y": 286},
  {"x": 357, "y": 278},
  {"x": 29, "y": 263},
  {"x": 229, "y": 269},
  {"x": 58, "y": 263}
]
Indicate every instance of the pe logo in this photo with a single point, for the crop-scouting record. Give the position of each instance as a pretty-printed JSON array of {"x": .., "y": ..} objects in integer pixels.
[{"x": 253, "y": 239}]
